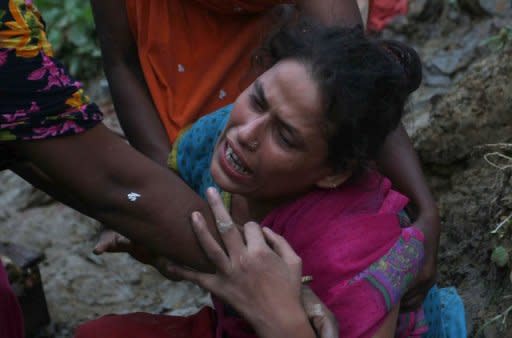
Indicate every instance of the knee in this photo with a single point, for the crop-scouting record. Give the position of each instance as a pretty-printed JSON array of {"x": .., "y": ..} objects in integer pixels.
[
  {"x": 106, "y": 326},
  {"x": 7, "y": 296}
]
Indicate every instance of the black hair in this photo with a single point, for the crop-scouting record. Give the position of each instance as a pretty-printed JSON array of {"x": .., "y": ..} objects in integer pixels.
[{"x": 364, "y": 83}]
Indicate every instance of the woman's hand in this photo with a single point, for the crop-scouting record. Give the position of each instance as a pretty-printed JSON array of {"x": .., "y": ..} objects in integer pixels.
[
  {"x": 322, "y": 319},
  {"x": 258, "y": 274}
]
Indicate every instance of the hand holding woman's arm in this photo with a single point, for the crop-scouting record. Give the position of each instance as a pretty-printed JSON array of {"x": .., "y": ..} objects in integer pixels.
[{"x": 260, "y": 276}]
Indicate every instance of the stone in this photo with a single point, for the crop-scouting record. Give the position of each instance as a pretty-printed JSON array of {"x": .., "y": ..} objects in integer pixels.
[
  {"x": 425, "y": 9},
  {"x": 486, "y": 7}
]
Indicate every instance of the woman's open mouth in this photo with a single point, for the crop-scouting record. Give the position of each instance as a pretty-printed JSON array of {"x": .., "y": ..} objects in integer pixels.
[{"x": 233, "y": 164}]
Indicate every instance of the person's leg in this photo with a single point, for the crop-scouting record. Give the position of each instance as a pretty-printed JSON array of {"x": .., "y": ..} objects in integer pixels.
[
  {"x": 145, "y": 325},
  {"x": 11, "y": 318}
]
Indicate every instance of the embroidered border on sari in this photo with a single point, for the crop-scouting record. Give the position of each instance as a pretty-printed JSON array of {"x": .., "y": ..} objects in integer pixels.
[{"x": 394, "y": 272}]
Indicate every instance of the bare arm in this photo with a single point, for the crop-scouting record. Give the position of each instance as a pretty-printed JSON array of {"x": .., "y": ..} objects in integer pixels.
[
  {"x": 102, "y": 179},
  {"x": 398, "y": 160},
  {"x": 132, "y": 100},
  {"x": 330, "y": 12},
  {"x": 400, "y": 163},
  {"x": 31, "y": 173}
]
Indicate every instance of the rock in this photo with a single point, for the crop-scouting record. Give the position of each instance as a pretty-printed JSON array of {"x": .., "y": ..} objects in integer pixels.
[
  {"x": 486, "y": 7},
  {"x": 434, "y": 79},
  {"x": 18, "y": 195},
  {"x": 476, "y": 111},
  {"x": 449, "y": 61}
]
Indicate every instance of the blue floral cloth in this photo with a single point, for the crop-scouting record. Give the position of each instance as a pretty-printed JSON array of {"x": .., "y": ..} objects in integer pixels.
[{"x": 193, "y": 150}]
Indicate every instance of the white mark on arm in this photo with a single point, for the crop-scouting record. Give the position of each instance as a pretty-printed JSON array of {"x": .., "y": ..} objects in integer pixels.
[{"x": 133, "y": 196}]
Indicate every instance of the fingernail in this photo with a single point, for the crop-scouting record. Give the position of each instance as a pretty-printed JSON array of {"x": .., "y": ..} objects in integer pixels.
[{"x": 195, "y": 216}]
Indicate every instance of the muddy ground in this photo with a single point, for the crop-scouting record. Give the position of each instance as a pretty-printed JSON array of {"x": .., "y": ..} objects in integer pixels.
[{"x": 463, "y": 108}]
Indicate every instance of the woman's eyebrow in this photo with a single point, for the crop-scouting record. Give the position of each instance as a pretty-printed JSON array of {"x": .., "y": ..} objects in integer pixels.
[{"x": 260, "y": 93}]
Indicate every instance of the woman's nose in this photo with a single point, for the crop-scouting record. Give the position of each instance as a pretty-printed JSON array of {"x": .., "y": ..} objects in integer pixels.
[{"x": 250, "y": 133}]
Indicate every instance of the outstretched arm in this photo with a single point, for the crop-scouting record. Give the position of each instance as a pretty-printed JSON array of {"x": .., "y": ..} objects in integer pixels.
[
  {"x": 132, "y": 100},
  {"x": 99, "y": 170}
]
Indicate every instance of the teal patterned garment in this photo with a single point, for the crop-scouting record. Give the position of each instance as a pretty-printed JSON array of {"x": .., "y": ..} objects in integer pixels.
[{"x": 192, "y": 152}]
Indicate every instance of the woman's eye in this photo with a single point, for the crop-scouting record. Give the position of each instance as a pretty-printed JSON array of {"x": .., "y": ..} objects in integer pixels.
[
  {"x": 285, "y": 139},
  {"x": 257, "y": 104}
]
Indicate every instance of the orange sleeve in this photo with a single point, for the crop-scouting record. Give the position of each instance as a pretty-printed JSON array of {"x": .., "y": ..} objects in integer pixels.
[{"x": 195, "y": 56}]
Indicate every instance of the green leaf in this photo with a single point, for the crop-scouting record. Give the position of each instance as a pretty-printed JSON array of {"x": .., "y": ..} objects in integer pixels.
[
  {"x": 6, "y": 135},
  {"x": 70, "y": 29},
  {"x": 500, "y": 256}
]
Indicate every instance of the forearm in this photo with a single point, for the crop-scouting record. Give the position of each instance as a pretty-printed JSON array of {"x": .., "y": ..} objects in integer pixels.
[
  {"x": 294, "y": 323},
  {"x": 132, "y": 100},
  {"x": 157, "y": 217},
  {"x": 399, "y": 161},
  {"x": 137, "y": 115},
  {"x": 33, "y": 175}
]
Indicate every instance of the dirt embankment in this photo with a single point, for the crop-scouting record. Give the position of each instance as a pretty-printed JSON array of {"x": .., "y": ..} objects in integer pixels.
[{"x": 461, "y": 115}]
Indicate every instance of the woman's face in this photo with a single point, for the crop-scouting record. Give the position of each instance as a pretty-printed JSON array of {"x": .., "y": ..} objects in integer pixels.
[{"x": 273, "y": 145}]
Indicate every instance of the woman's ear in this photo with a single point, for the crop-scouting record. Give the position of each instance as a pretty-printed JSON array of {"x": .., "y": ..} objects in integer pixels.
[{"x": 334, "y": 181}]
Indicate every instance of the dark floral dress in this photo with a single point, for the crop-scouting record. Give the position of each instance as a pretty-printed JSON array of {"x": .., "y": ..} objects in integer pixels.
[{"x": 38, "y": 98}]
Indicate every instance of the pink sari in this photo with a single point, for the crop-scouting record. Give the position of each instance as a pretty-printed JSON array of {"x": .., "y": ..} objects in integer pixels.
[{"x": 361, "y": 260}]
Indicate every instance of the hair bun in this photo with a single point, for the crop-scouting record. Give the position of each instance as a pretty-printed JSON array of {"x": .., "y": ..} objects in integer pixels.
[{"x": 408, "y": 59}]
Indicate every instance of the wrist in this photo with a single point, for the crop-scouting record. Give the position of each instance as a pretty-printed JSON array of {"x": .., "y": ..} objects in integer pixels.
[{"x": 286, "y": 323}]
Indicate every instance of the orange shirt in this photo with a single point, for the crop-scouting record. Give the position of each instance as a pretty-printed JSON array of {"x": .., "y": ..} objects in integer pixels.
[{"x": 195, "y": 55}]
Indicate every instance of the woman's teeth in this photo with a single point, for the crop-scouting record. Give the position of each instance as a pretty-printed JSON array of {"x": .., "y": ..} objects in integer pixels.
[{"x": 235, "y": 161}]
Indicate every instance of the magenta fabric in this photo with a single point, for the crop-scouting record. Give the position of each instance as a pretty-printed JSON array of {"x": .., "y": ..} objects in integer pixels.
[
  {"x": 351, "y": 242},
  {"x": 147, "y": 325},
  {"x": 11, "y": 318}
]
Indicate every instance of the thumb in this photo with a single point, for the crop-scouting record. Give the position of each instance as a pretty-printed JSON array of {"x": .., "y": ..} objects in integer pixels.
[{"x": 111, "y": 241}]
